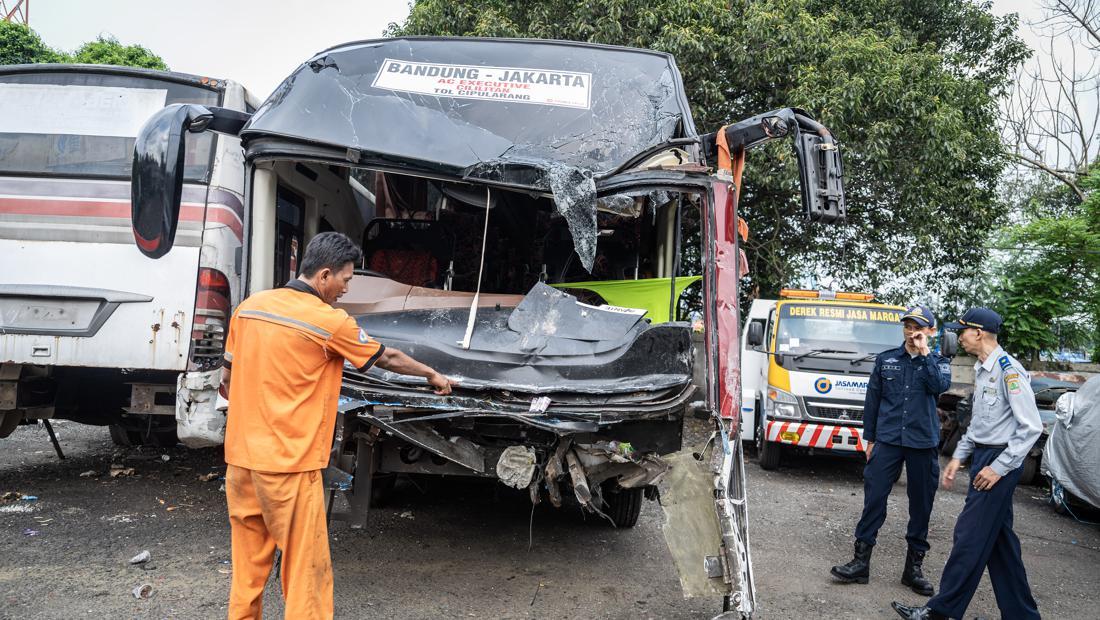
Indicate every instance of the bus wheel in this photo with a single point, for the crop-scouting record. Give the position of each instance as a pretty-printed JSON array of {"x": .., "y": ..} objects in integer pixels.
[
  {"x": 624, "y": 506},
  {"x": 8, "y": 422}
]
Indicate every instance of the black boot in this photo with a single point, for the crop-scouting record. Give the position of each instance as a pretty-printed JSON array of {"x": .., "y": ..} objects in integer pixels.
[
  {"x": 916, "y": 613},
  {"x": 859, "y": 569},
  {"x": 913, "y": 576}
]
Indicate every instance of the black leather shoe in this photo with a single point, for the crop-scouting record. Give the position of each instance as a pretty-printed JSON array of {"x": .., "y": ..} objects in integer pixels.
[
  {"x": 859, "y": 569},
  {"x": 917, "y": 613},
  {"x": 913, "y": 576}
]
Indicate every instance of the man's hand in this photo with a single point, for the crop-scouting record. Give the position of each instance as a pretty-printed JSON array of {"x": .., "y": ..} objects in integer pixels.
[
  {"x": 441, "y": 383},
  {"x": 920, "y": 340},
  {"x": 986, "y": 478},
  {"x": 867, "y": 449},
  {"x": 947, "y": 480}
]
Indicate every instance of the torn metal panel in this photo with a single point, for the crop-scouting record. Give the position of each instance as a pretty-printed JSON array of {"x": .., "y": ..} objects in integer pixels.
[
  {"x": 548, "y": 343},
  {"x": 456, "y": 449}
]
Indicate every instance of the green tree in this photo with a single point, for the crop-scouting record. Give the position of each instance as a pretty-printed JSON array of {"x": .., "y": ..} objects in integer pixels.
[
  {"x": 108, "y": 51},
  {"x": 21, "y": 45},
  {"x": 909, "y": 88},
  {"x": 1050, "y": 286}
]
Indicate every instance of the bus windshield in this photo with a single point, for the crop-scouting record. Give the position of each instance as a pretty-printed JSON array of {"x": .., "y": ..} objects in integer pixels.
[
  {"x": 859, "y": 329},
  {"x": 84, "y": 124}
]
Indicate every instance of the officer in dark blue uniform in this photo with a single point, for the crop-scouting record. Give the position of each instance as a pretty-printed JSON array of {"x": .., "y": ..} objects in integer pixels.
[
  {"x": 900, "y": 425},
  {"x": 1003, "y": 427}
]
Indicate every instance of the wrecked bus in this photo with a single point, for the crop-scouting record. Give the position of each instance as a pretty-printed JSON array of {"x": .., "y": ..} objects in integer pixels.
[
  {"x": 529, "y": 202},
  {"x": 90, "y": 330}
]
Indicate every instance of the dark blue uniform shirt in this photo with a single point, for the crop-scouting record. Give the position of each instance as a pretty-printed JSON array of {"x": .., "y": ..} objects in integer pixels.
[{"x": 900, "y": 407}]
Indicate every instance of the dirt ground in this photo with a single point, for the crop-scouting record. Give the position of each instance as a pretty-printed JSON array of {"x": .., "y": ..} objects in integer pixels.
[{"x": 459, "y": 549}]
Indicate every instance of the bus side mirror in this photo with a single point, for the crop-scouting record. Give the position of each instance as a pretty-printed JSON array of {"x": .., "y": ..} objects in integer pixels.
[
  {"x": 756, "y": 334},
  {"x": 157, "y": 176},
  {"x": 820, "y": 172},
  {"x": 950, "y": 344}
]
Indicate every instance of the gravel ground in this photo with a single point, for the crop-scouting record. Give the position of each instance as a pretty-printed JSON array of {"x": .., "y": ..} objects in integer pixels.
[{"x": 453, "y": 548}]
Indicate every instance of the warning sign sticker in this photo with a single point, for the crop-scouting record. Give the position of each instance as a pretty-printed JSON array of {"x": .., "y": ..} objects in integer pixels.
[{"x": 541, "y": 86}]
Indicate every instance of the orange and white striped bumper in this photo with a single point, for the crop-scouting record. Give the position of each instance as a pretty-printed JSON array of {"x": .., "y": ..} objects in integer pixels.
[{"x": 810, "y": 435}]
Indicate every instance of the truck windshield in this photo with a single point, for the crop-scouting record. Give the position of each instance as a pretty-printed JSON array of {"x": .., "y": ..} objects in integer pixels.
[
  {"x": 861, "y": 329},
  {"x": 84, "y": 124}
]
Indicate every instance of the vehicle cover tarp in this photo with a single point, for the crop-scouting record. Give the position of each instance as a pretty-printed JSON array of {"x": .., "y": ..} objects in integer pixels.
[
  {"x": 546, "y": 115},
  {"x": 1072, "y": 453}
]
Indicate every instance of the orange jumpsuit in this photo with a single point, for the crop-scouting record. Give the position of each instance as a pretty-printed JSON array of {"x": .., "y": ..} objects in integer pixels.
[{"x": 285, "y": 350}]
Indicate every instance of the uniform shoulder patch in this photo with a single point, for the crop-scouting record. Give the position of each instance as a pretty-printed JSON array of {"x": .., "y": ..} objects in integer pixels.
[
  {"x": 363, "y": 337},
  {"x": 945, "y": 367},
  {"x": 1005, "y": 363}
]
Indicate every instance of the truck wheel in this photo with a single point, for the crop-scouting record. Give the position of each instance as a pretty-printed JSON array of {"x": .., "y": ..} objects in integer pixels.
[
  {"x": 8, "y": 422},
  {"x": 767, "y": 453},
  {"x": 1030, "y": 470},
  {"x": 624, "y": 506}
]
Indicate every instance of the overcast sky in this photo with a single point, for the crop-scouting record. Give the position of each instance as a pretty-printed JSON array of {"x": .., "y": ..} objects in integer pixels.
[{"x": 256, "y": 42}]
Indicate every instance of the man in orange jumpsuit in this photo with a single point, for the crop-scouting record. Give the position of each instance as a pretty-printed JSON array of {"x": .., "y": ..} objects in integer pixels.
[{"x": 285, "y": 352}]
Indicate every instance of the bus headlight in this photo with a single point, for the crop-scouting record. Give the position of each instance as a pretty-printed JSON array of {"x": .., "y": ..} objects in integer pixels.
[{"x": 783, "y": 404}]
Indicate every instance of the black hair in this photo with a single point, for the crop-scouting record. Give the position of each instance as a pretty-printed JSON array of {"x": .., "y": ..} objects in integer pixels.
[{"x": 329, "y": 249}]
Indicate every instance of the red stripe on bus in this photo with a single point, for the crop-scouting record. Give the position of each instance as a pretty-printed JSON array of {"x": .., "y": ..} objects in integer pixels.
[{"x": 120, "y": 210}]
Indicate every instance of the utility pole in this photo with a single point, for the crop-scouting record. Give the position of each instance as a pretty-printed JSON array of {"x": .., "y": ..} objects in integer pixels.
[{"x": 18, "y": 13}]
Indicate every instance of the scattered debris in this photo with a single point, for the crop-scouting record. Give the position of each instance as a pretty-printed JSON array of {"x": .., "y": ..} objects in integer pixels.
[
  {"x": 145, "y": 590},
  {"x": 142, "y": 557},
  {"x": 10, "y": 495},
  {"x": 165, "y": 458},
  {"x": 90, "y": 474},
  {"x": 225, "y": 571},
  {"x": 16, "y": 508},
  {"x": 407, "y": 515},
  {"x": 119, "y": 470},
  {"x": 30, "y": 498},
  {"x": 516, "y": 466},
  {"x": 208, "y": 477},
  {"x": 30, "y": 532}
]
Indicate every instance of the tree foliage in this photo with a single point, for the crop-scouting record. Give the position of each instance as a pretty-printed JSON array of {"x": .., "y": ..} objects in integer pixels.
[
  {"x": 21, "y": 45},
  {"x": 909, "y": 88},
  {"x": 108, "y": 51},
  {"x": 1050, "y": 286}
]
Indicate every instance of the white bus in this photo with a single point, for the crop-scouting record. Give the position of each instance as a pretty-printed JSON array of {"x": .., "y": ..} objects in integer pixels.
[{"x": 90, "y": 330}]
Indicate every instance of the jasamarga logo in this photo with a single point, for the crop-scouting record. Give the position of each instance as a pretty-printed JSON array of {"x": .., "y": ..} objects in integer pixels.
[{"x": 852, "y": 385}]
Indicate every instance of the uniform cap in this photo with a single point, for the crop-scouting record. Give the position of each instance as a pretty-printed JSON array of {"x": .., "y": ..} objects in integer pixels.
[
  {"x": 980, "y": 318},
  {"x": 922, "y": 315}
]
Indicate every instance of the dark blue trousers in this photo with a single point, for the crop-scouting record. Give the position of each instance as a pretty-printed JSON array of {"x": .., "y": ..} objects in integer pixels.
[
  {"x": 984, "y": 538},
  {"x": 922, "y": 468}
]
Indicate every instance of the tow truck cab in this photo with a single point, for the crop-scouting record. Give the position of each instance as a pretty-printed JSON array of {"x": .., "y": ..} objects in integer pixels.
[{"x": 805, "y": 362}]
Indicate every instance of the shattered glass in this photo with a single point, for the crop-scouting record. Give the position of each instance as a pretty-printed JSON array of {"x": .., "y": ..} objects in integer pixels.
[
  {"x": 349, "y": 97},
  {"x": 635, "y": 102}
]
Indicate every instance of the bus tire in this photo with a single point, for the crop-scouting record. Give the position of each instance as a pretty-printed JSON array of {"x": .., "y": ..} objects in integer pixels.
[
  {"x": 8, "y": 421},
  {"x": 624, "y": 506}
]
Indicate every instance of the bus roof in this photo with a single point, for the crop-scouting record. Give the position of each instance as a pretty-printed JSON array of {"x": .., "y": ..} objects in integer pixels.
[
  {"x": 520, "y": 112},
  {"x": 216, "y": 84}
]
